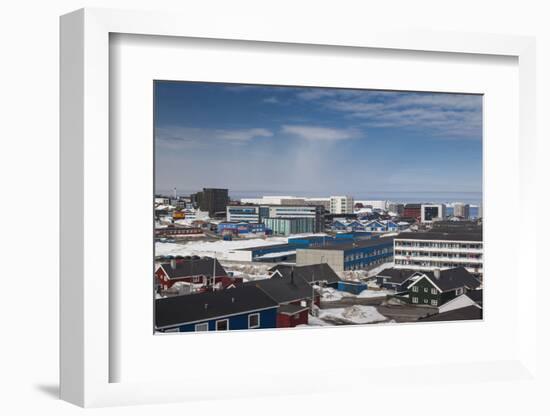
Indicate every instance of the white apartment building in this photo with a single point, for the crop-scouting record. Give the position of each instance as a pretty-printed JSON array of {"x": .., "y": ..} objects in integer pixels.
[
  {"x": 274, "y": 200},
  {"x": 341, "y": 205},
  {"x": 288, "y": 200},
  {"x": 461, "y": 210},
  {"x": 431, "y": 212},
  {"x": 439, "y": 250},
  {"x": 375, "y": 204}
]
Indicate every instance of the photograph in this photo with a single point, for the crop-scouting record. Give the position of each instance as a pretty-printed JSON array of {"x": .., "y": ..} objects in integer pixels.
[{"x": 292, "y": 207}]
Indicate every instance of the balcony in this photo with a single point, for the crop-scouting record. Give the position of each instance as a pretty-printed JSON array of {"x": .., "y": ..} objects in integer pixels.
[
  {"x": 398, "y": 246},
  {"x": 475, "y": 270},
  {"x": 439, "y": 259}
]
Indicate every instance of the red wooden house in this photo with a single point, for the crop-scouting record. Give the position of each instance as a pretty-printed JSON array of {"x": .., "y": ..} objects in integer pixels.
[{"x": 198, "y": 271}]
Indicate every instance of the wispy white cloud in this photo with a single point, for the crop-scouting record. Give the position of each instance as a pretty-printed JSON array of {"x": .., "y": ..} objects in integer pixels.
[
  {"x": 441, "y": 115},
  {"x": 180, "y": 137},
  {"x": 271, "y": 100},
  {"x": 319, "y": 133}
]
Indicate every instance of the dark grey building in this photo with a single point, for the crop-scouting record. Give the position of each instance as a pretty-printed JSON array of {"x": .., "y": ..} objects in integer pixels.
[{"x": 212, "y": 200}]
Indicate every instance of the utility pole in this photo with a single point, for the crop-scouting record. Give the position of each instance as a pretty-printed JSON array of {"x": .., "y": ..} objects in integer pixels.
[{"x": 214, "y": 273}]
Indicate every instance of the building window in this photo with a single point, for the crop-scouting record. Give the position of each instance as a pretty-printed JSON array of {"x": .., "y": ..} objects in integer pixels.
[
  {"x": 425, "y": 290},
  {"x": 172, "y": 330},
  {"x": 415, "y": 288},
  {"x": 434, "y": 291},
  {"x": 459, "y": 291},
  {"x": 222, "y": 325},
  {"x": 201, "y": 327},
  {"x": 434, "y": 302},
  {"x": 415, "y": 299},
  {"x": 254, "y": 320},
  {"x": 425, "y": 300}
]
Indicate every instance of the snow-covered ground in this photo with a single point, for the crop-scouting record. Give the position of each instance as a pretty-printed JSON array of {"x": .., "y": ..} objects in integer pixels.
[
  {"x": 248, "y": 271},
  {"x": 211, "y": 248},
  {"x": 329, "y": 294},
  {"x": 374, "y": 271},
  {"x": 356, "y": 314},
  {"x": 374, "y": 293}
]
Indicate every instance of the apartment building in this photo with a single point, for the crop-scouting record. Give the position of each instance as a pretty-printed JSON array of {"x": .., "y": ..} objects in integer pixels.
[
  {"x": 429, "y": 251},
  {"x": 461, "y": 210},
  {"x": 341, "y": 205},
  {"x": 357, "y": 255}
]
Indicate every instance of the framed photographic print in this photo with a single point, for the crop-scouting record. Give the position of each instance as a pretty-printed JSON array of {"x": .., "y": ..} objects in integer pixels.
[
  {"x": 330, "y": 201},
  {"x": 361, "y": 234}
]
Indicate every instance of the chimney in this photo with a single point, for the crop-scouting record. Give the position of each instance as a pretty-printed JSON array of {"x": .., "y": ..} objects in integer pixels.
[
  {"x": 437, "y": 273},
  {"x": 173, "y": 264}
]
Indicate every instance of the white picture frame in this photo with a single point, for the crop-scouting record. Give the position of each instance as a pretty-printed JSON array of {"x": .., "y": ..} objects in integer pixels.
[{"x": 86, "y": 306}]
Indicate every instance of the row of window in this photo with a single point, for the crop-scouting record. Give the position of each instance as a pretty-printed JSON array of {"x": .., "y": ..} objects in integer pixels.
[
  {"x": 362, "y": 265},
  {"x": 358, "y": 256},
  {"x": 433, "y": 291},
  {"x": 399, "y": 243},
  {"x": 435, "y": 264},
  {"x": 433, "y": 302},
  {"x": 177, "y": 231},
  {"x": 223, "y": 324},
  {"x": 443, "y": 255}
]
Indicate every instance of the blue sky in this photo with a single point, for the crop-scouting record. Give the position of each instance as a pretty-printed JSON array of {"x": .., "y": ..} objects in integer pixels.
[{"x": 315, "y": 141}]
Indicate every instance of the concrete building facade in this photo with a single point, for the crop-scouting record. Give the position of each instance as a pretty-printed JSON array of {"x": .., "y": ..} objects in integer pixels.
[
  {"x": 288, "y": 226},
  {"x": 315, "y": 212},
  {"x": 439, "y": 250},
  {"x": 341, "y": 205},
  {"x": 359, "y": 255},
  {"x": 246, "y": 213},
  {"x": 461, "y": 210},
  {"x": 212, "y": 200}
]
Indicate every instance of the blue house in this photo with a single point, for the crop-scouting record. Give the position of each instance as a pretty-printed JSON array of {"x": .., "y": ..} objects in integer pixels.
[
  {"x": 375, "y": 226},
  {"x": 343, "y": 225},
  {"x": 237, "y": 228},
  {"x": 243, "y": 307},
  {"x": 352, "y": 287},
  {"x": 355, "y": 226},
  {"x": 391, "y": 226},
  {"x": 339, "y": 225}
]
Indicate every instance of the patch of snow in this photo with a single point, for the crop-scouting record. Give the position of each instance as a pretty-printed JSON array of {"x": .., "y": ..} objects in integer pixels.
[
  {"x": 373, "y": 293},
  {"x": 356, "y": 314},
  {"x": 378, "y": 269},
  {"x": 209, "y": 248},
  {"x": 314, "y": 321},
  {"x": 330, "y": 294},
  {"x": 275, "y": 255}
]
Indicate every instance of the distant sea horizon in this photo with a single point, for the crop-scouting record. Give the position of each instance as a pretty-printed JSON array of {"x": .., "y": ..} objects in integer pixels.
[{"x": 473, "y": 198}]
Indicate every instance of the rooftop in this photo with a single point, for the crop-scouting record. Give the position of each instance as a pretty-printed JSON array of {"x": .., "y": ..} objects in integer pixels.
[
  {"x": 468, "y": 313},
  {"x": 310, "y": 273},
  {"x": 358, "y": 244},
  {"x": 450, "y": 279},
  {"x": 193, "y": 267},
  {"x": 186, "y": 309},
  {"x": 476, "y": 296},
  {"x": 447, "y": 236},
  {"x": 283, "y": 289},
  {"x": 397, "y": 275}
]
